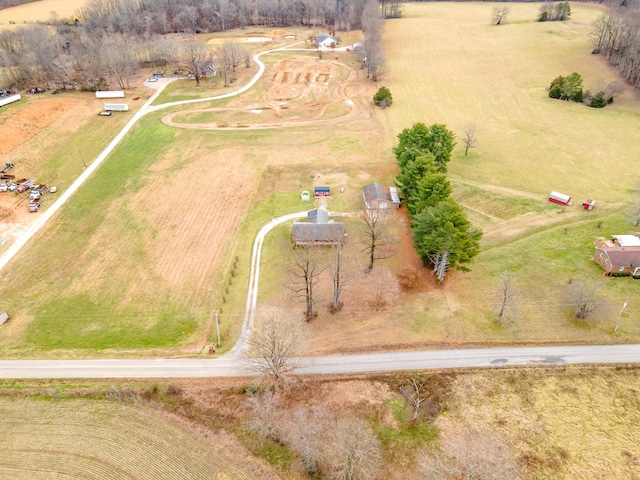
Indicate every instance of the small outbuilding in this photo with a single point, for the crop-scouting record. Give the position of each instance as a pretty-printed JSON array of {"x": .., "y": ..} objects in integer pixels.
[
  {"x": 560, "y": 198},
  {"x": 4, "y": 316},
  {"x": 320, "y": 192},
  {"x": 379, "y": 196},
  {"x": 589, "y": 204}
]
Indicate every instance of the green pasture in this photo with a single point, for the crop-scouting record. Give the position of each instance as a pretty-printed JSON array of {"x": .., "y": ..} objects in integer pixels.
[{"x": 448, "y": 64}]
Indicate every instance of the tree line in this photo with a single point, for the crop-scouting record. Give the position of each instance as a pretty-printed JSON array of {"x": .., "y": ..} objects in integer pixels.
[
  {"x": 616, "y": 36},
  {"x": 109, "y": 39},
  {"x": 442, "y": 234}
]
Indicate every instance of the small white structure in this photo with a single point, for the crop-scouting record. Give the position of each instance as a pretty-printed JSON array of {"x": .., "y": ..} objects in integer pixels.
[
  {"x": 560, "y": 198},
  {"x": 116, "y": 107},
  {"x": 110, "y": 94},
  {"x": 4, "y": 316},
  {"x": 305, "y": 195},
  {"x": 10, "y": 99}
]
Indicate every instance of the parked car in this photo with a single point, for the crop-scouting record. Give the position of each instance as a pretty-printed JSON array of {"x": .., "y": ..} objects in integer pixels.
[
  {"x": 153, "y": 79},
  {"x": 34, "y": 205},
  {"x": 106, "y": 113},
  {"x": 4, "y": 187}
]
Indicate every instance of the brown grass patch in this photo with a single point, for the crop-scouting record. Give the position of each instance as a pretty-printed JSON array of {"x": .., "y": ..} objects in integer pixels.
[{"x": 19, "y": 125}]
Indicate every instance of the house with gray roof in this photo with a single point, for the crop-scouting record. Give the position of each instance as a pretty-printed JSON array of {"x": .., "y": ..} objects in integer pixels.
[{"x": 318, "y": 230}]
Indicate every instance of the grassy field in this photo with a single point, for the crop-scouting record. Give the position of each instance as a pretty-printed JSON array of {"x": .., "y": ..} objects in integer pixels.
[
  {"x": 160, "y": 237},
  {"x": 39, "y": 11},
  {"x": 458, "y": 68}
]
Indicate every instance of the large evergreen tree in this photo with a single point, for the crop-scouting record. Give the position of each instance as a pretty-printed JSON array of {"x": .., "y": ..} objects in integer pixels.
[
  {"x": 442, "y": 233},
  {"x": 420, "y": 139}
]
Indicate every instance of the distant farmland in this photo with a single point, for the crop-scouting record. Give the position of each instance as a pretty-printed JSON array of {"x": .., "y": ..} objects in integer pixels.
[{"x": 40, "y": 11}]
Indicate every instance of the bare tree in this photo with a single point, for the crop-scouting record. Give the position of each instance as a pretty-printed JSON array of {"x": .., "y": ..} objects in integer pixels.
[
  {"x": 499, "y": 14},
  {"x": 472, "y": 453},
  {"x": 118, "y": 57},
  {"x": 584, "y": 295},
  {"x": 266, "y": 414},
  {"x": 357, "y": 453},
  {"x": 507, "y": 296},
  {"x": 376, "y": 237},
  {"x": 194, "y": 57},
  {"x": 469, "y": 140},
  {"x": 306, "y": 271},
  {"x": 273, "y": 344},
  {"x": 235, "y": 52},
  {"x": 224, "y": 65},
  {"x": 341, "y": 270},
  {"x": 440, "y": 262},
  {"x": 304, "y": 432},
  {"x": 415, "y": 394},
  {"x": 383, "y": 287}
]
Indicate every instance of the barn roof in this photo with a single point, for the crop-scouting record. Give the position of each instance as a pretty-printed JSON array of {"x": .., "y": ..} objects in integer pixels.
[
  {"x": 318, "y": 233},
  {"x": 379, "y": 191},
  {"x": 623, "y": 256},
  {"x": 318, "y": 215}
]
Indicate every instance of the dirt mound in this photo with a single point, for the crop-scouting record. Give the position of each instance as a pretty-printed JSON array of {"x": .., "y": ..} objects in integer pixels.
[
  {"x": 21, "y": 124},
  {"x": 279, "y": 33}
]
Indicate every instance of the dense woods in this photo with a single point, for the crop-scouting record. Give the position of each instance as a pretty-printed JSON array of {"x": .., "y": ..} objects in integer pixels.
[
  {"x": 109, "y": 39},
  {"x": 616, "y": 36}
]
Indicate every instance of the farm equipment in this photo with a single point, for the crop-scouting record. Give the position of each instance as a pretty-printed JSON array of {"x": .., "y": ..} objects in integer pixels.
[
  {"x": 6, "y": 176},
  {"x": 7, "y": 166},
  {"x": 37, "y": 192},
  {"x": 35, "y": 204},
  {"x": 24, "y": 186}
]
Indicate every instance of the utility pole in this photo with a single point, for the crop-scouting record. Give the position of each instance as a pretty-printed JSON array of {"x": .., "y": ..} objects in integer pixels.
[
  {"x": 218, "y": 328},
  {"x": 624, "y": 305}
]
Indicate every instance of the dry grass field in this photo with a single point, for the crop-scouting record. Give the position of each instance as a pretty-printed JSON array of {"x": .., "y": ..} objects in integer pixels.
[
  {"x": 39, "y": 11},
  {"x": 93, "y": 439},
  {"x": 559, "y": 423}
]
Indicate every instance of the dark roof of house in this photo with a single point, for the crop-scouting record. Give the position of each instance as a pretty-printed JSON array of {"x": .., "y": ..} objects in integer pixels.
[
  {"x": 317, "y": 215},
  {"x": 322, "y": 37},
  {"x": 623, "y": 256},
  {"x": 318, "y": 232},
  {"x": 379, "y": 191}
]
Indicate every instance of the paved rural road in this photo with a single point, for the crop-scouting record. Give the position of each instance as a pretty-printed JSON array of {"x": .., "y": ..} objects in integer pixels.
[{"x": 377, "y": 362}]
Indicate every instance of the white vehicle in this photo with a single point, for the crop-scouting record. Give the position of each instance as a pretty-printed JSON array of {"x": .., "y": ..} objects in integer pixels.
[
  {"x": 4, "y": 187},
  {"x": 12, "y": 187},
  {"x": 153, "y": 79},
  {"x": 116, "y": 107},
  {"x": 34, "y": 195}
]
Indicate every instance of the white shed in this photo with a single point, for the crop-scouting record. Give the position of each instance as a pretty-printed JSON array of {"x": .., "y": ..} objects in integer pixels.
[
  {"x": 109, "y": 94},
  {"x": 4, "y": 316}
]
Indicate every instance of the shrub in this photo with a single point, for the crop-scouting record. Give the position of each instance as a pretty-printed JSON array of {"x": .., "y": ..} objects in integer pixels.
[
  {"x": 598, "y": 101},
  {"x": 567, "y": 88},
  {"x": 383, "y": 97}
]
